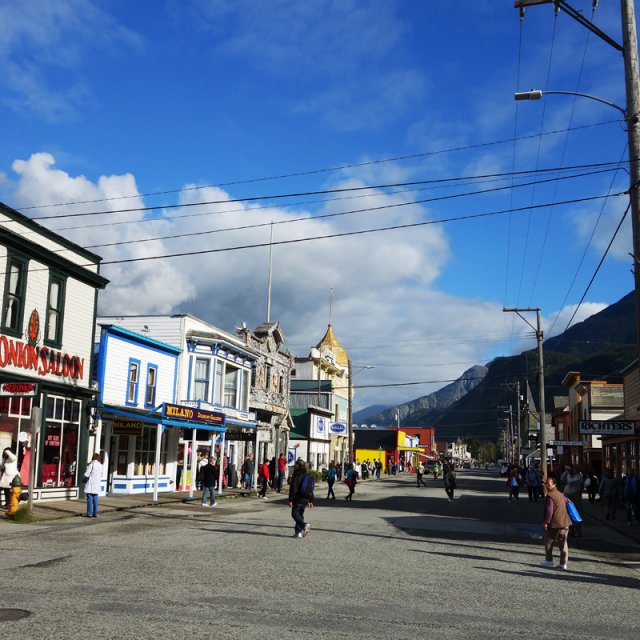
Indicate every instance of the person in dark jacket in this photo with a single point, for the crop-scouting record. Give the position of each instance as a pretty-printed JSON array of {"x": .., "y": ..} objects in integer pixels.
[
  {"x": 609, "y": 491},
  {"x": 556, "y": 525},
  {"x": 208, "y": 474},
  {"x": 299, "y": 502}
]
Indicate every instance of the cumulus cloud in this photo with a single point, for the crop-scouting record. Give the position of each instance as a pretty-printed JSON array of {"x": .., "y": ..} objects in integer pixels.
[{"x": 386, "y": 307}]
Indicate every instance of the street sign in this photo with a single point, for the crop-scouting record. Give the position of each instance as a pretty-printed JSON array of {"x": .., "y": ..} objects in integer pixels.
[{"x": 567, "y": 443}]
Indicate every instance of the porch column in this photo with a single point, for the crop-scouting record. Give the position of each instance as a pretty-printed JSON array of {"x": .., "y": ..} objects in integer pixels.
[
  {"x": 156, "y": 468},
  {"x": 221, "y": 461}
]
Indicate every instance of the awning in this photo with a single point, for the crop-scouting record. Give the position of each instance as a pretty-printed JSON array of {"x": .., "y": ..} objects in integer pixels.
[{"x": 157, "y": 419}]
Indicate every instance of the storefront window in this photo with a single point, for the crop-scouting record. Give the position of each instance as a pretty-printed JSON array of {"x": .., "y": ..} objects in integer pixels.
[
  {"x": 60, "y": 442},
  {"x": 15, "y": 418},
  {"x": 145, "y": 456}
]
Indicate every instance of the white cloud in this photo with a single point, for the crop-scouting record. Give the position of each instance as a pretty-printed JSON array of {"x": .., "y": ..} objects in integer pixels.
[
  {"x": 44, "y": 47},
  {"x": 387, "y": 310}
]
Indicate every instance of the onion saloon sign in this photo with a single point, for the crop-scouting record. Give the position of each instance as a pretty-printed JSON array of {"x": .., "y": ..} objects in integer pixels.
[{"x": 44, "y": 361}]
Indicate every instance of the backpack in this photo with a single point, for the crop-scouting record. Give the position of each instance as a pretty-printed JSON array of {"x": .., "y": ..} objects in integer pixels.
[{"x": 305, "y": 490}]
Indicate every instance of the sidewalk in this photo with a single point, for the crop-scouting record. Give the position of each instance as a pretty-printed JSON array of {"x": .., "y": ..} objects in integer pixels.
[
  {"x": 56, "y": 509},
  {"x": 596, "y": 512}
]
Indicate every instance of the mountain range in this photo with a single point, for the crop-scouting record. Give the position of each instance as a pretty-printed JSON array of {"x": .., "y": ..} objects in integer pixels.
[{"x": 599, "y": 348}]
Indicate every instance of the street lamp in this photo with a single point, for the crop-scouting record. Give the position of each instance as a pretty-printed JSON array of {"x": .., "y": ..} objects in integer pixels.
[
  {"x": 536, "y": 94},
  {"x": 629, "y": 49}
]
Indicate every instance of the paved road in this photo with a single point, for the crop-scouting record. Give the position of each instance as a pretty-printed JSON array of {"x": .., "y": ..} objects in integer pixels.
[{"x": 399, "y": 562}]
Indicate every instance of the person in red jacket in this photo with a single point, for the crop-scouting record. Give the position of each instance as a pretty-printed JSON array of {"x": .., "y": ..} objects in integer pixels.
[
  {"x": 263, "y": 476},
  {"x": 282, "y": 469},
  {"x": 556, "y": 525}
]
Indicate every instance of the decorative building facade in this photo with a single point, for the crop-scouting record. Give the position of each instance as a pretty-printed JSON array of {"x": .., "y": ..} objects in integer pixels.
[
  {"x": 49, "y": 298},
  {"x": 320, "y": 386},
  {"x": 270, "y": 384}
]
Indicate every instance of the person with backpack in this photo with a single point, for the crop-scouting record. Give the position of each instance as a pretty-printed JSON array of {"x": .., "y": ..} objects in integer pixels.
[
  {"x": 300, "y": 496},
  {"x": 350, "y": 480},
  {"x": 331, "y": 478}
]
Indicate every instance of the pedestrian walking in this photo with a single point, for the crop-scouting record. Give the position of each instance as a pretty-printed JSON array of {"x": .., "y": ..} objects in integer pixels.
[
  {"x": 591, "y": 484},
  {"x": 273, "y": 472},
  {"x": 282, "y": 468},
  {"x": 609, "y": 492},
  {"x": 92, "y": 479},
  {"x": 350, "y": 479},
  {"x": 247, "y": 472},
  {"x": 630, "y": 496},
  {"x": 514, "y": 480},
  {"x": 420, "y": 474},
  {"x": 8, "y": 471},
  {"x": 532, "y": 480},
  {"x": 556, "y": 525},
  {"x": 263, "y": 478},
  {"x": 573, "y": 481},
  {"x": 208, "y": 475},
  {"x": 436, "y": 470},
  {"x": 450, "y": 484},
  {"x": 331, "y": 478},
  {"x": 300, "y": 497}
]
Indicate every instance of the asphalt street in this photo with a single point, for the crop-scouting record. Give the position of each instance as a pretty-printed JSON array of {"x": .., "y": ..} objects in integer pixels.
[{"x": 398, "y": 562}]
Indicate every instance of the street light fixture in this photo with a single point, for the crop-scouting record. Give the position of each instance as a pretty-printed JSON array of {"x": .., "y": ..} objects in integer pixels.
[{"x": 536, "y": 94}]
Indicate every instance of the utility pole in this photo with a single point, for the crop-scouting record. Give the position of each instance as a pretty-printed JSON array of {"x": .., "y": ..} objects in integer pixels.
[
  {"x": 517, "y": 426},
  {"x": 539, "y": 337},
  {"x": 629, "y": 50}
]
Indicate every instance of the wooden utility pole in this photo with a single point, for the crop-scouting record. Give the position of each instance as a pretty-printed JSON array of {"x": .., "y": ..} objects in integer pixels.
[
  {"x": 539, "y": 337},
  {"x": 630, "y": 52},
  {"x": 629, "y": 48}
]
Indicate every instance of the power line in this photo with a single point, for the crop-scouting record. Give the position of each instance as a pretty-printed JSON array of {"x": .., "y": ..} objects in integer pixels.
[
  {"x": 302, "y": 194},
  {"x": 342, "y": 234},
  {"x": 323, "y": 170},
  {"x": 336, "y": 214}
]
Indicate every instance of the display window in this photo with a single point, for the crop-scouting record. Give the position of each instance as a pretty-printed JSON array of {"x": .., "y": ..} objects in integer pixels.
[
  {"x": 60, "y": 442},
  {"x": 145, "y": 456}
]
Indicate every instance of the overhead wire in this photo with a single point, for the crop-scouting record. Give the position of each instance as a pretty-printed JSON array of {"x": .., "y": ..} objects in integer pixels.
[
  {"x": 308, "y": 172},
  {"x": 593, "y": 277},
  {"x": 336, "y": 214},
  {"x": 562, "y": 157}
]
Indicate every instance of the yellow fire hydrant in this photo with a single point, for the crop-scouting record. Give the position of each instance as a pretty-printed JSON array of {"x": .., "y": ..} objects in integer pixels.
[{"x": 14, "y": 498}]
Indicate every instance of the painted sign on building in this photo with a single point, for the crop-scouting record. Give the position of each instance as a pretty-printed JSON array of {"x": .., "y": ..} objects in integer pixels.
[
  {"x": 193, "y": 414},
  {"x": 608, "y": 428}
]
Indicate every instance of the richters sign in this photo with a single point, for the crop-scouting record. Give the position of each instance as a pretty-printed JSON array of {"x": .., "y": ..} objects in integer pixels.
[
  {"x": 193, "y": 414},
  {"x": 607, "y": 428}
]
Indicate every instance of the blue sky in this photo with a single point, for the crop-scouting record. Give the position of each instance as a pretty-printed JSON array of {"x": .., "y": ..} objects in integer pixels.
[{"x": 150, "y": 103}]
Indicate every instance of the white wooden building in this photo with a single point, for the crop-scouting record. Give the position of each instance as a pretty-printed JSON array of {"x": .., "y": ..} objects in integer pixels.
[{"x": 49, "y": 298}]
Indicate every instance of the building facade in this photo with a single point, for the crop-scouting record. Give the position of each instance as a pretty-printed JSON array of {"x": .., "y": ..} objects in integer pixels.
[
  {"x": 320, "y": 385},
  {"x": 49, "y": 299},
  {"x": 270, "y": 386}
]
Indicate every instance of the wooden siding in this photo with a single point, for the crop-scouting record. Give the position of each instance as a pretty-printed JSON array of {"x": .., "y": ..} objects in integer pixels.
[{"x": 117, "y": 353}]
